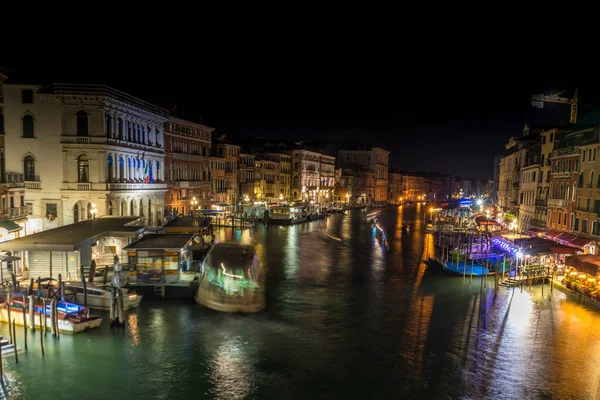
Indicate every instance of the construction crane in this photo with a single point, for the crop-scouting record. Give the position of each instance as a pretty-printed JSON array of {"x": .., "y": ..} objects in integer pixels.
[{"x": 538, "y": 100}]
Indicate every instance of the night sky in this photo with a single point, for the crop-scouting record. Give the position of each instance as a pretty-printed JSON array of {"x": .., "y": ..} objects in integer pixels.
[{"x": 434, "y": 113}]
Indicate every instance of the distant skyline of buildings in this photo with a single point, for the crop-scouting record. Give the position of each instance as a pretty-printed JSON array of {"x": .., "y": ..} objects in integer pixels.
[{"x": 72, "y": 152}]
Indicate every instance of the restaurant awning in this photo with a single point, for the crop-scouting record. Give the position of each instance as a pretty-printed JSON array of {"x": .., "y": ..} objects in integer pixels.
[
  {"x": 580, "y": 241},
  {"x": 553, "y": 234},
  {"x": 563, "y": 250},
  {"x": 587, "y": 263},
  {"x": 9, "y": 225}
]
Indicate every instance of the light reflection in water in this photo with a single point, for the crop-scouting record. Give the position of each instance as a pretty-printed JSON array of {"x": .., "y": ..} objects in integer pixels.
[
  {"x": 133, "y": 329},
  {"x": 231, "y": 371},
  {"x": 291, "y": 252}
]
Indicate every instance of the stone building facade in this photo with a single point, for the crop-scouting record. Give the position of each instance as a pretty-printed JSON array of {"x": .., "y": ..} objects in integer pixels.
[
  {"x": 85, "y": 150},
  {"x": 187, "y": 154}
]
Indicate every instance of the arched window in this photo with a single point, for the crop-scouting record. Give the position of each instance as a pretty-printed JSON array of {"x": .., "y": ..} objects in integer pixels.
[
  {"x": 150, "y": 212},
  {"x": 28, "y": 126},
  {"x": 141, "y": 210},
  {"x": 120, "y": 128},
  {"x": 83, "y": 169},
  {"x": 130, "y": 134},
  {"x": 82, "y": 123},
  {"x": 108, "y": 127},
  {"x": 123, "y": 206},
  {"x": 110, "y": 207},
  {"x": 131, "y": 207},
  {"x": 76, "y": 213},
  {"x": 110, "y": 168},
  {"x": 121, "y": 169},
  {"x": 29, "y": 168}
]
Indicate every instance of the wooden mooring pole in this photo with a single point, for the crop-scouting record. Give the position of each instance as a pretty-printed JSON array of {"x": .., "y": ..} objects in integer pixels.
[
  {"x": 14, "y": 326},
  {"x": 41, "y": 338},
  {"x": 43, "y": 317},
  {"x": 10, "y": 332},
  {"x": 31, "y": 313},
  {"x": 56, "y": 327},
  {"x": 24, "y": 324}
]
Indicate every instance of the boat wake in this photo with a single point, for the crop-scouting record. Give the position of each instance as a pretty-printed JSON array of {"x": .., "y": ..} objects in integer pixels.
[{"x": 329, "y": 235}]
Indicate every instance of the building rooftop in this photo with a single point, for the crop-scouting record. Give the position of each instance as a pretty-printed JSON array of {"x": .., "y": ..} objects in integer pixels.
[
  {"x": 189, "y": 222},
  {"x": 161, "y": 241},
  {"x": 75, "y": 236}
]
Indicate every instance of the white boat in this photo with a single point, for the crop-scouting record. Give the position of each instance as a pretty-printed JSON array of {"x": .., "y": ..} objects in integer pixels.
[
  {"x": 71, "y": 317},
  {"x": 100, "y": 296},
  {"x": 232, "y": 280}
]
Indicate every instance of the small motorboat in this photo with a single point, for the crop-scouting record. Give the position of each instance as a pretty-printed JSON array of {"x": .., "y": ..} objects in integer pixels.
[
  {"x": 72, "y": 318},
  {"x": 99, "y": 296},
  {"x": 232, "y": 279}
]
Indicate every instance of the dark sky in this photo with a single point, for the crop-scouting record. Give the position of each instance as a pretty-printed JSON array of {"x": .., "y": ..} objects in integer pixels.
[{"x": 434, "y": 109}]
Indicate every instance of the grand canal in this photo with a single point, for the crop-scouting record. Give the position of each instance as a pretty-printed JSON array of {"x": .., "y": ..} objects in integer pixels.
[{"x": 345, "y": 319}]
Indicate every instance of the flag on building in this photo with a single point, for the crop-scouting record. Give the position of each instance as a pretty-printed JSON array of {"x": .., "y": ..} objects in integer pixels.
[{"x": 148, "y": 173}]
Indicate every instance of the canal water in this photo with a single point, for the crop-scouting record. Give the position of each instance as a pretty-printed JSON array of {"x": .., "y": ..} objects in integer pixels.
[{"x": 349, "y": 318}]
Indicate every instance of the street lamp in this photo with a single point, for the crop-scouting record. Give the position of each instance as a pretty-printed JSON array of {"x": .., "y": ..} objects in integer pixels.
[
  {"x": 281, "y": 197},
  {"x": 431, "y": 214},
  {"x": 194, "y": 203}
]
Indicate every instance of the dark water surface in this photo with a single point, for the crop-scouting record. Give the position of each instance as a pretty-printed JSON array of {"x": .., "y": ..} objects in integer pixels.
[{"x": 349, "y": 319}]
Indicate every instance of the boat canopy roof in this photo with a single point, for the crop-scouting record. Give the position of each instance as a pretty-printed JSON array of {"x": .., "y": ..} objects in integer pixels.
[{"x": 231, "y": 254}]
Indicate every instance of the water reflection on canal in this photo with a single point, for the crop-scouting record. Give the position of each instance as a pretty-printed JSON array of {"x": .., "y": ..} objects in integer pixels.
[{"x": 345, "y": 319}]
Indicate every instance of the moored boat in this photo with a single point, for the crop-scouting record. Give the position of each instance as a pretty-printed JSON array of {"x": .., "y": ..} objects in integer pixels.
[
  {"x": 72, "y": 318},
  {"x": 100, "y": 296},
  {"x": 472, "y": 268}
]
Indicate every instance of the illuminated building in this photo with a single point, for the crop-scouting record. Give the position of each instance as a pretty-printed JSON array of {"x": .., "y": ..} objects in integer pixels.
[
  {"x": 13, "y": 212},
  {"x": 187, "y": 155},
  {"x": 224, "y": 163},
  {"x": 80, "y": 146}
]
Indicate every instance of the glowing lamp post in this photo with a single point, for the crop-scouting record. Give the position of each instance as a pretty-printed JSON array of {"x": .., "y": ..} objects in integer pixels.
[{"x": 194, "y": 203}]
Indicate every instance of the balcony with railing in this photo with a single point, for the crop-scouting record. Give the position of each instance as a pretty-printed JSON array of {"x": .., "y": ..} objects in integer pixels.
[
  {"x": 556, "y": 202},
  {"x": 100, "y": 139},
  {"x": 562, "y": 174},
  {"x": 34, "y": 183},
  {"x": 540, "y": 202},
  {"x": 185, "y": 184},
  {"x": 136, "y": 186},
  {"x": 17, "y": 212}
]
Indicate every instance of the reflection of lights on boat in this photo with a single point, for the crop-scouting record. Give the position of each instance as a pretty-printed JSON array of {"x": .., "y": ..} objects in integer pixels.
[{"x": 228, "y": 274}]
